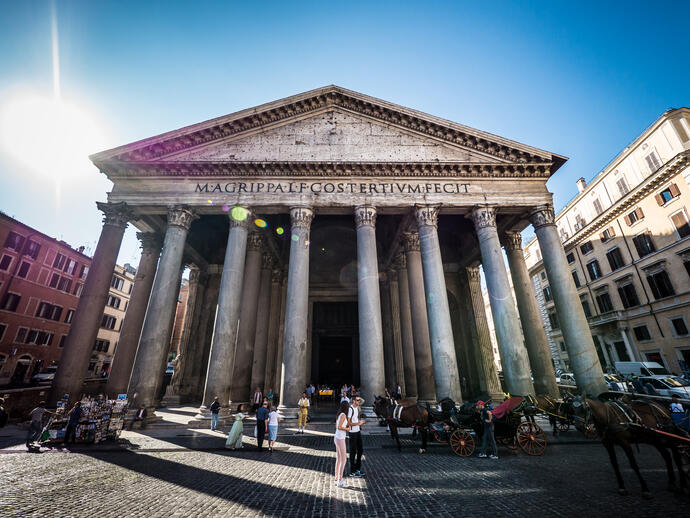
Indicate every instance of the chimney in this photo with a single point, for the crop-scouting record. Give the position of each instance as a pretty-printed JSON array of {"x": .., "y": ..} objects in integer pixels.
[
  {"x": 80, "y": 249},
  {"x": 581, "y": 184}
]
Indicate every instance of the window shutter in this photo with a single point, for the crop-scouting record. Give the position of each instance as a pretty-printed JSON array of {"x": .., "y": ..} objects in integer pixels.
[
  {"x": 659, "y": 199},
  {"x": 627, "y": 220},
  {"x": 611, "y": 231},
  {"x": 673, "y": 189},
  {"x": 602, "y": 236},
  {"x": 639, "y": 212}
]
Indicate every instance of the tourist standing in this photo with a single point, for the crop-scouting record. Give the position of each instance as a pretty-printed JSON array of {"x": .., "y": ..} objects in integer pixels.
[
  {"x": 398, "y": 392},
  {"x": 257, "y": 399},
  {"x": 215, "y": 408},
  {"x": 273, "y": 420},
  {"x": 73, "y": 417},
  {"x": 261, "y": 423},
  {"x": 235, "y": 436},
  {"x": 487, "y": 418},
  {"x": 355, "y": 436},
  {"x": 36, "y": 424},
  {"x": 303, "y": 405},
  {"x": 341, "y": 427},
  {"x": 270, "y": 395}
]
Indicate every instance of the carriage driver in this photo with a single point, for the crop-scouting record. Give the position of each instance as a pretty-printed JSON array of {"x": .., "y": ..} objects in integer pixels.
[{"x": 487, "y": 418}]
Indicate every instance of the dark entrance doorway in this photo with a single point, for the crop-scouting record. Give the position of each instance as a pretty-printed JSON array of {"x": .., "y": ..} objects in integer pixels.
[
  {"x": 335, "y": 344},
  {"x": 335, "y": 360}
]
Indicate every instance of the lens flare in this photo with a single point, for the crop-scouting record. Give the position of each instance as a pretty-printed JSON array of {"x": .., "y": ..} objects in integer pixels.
[
  {"x": 226, "y": 208},
  {"x": 260, "y": 223},
  {"x": 295, "y": 238},
  {"x": 239, "y": 213},
  {"x": 280, "y": 231}
]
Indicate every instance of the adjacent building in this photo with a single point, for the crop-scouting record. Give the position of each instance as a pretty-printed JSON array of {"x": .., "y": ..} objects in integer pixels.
[{"x": 627, "y": 242}]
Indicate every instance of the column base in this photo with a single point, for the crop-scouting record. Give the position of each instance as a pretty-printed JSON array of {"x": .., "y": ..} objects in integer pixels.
[
  {"x": 203, "y": 417},
  {"x": 170, "y": 398},
  {"x": 288, "y": 412}
]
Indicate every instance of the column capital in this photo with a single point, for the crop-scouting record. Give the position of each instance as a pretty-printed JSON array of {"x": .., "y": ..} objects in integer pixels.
[
  {"x": 301, "y": 217},
  {"x": 194, "y": 274},
  {"x": 542, "y": 216},
  {"x": 400, "y": 261},
  {"x": 512, "y": 241},
  {"x": 181, "y": 216},
  {"x": 255, "y": 241},
  {"x": 214, "y": 269},
  {"x": 427, "y": 215},
  {"x": 393, "y": 275},
  {"x": 116, "y": 214},
  {"x": 411, "y": 241},
  {"x": 276, "y": 275},
  {"x": 365, "y": 215},
  {"x": 483, "y": 217},
  {"x": 239, "y": 216},
  {"x": 150, "y": 241},
  {"x": 267, "y": 261},
  {"x": 473, "y": 273}
]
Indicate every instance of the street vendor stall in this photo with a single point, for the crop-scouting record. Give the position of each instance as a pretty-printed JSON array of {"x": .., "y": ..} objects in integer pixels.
[{"x": 101, "y": 419}]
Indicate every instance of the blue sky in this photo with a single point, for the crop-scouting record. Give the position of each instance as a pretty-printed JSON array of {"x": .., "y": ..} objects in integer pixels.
[{"x": 581, "y": 81}]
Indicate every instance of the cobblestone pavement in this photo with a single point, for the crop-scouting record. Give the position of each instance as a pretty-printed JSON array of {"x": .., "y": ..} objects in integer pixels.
[{"x": 569, "y": 480}]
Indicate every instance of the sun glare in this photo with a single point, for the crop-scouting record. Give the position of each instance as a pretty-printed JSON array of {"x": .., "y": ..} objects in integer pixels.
[{"x": 51, "y": 137}]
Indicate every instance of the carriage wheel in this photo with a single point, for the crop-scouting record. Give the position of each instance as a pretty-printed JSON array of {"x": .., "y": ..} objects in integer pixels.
[
  {"x": 462, "y": 443},
  {"x": 531, "y": 438},
  {"x": 562, "y": 425},
  {"x": 440, "y": 437}
]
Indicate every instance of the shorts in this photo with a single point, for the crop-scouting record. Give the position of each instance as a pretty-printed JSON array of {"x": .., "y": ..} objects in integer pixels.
[{"x": 272, "y": 432}]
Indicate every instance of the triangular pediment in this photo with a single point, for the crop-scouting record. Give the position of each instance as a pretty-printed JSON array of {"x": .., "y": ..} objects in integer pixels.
[{"x": 331, "y": 136}]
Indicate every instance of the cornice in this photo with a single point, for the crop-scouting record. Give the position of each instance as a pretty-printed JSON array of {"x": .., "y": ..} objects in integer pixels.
[{"x": 115, "y": 169}]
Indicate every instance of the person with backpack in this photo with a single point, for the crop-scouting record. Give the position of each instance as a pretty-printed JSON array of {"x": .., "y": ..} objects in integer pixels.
[{"x": 356, "y": 449}]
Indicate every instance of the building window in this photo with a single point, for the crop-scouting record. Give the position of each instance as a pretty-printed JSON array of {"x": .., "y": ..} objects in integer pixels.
[
  {"x": 24, "y": 270},
  {"x": 117, "y": 283},
  {"x": 586, "y": 248},
  {"x": 642, "y": 333},
  {"x": 622, "y": 185},
  {"x": 547, "y": 293},
  {"x": 32, "y": 249},
  {"x": 70, "y": 267},
  {"x": 65, "y": 284},
  {"x": 553, "y": 320},
  {"x": 607, "y": 235},
  {"x": 5, "y": 262},
  {"x": 604, "y": 302},
  {"x": 129, "y": 288},
  {"x": 594, "y": 270},
  {"x": 68, "y": 317},
  {"x": 21, "y": 335},
  {"x": 598, "y": 208},
  {"x": 3, "y": 328},
  {"x": 561, "y": 344},
  {"x": 680, "y": 328},
  {"x": 108, "y": 322},
  {"x": 84, "y": 271},
  {"x": 660, "y": 284},
  {"x": 54, "y": 280},
  {"x": 680, "y": 222},
  {"x": 653, "y": 161},
  {"x": 576, "y": 279},
  {"x": 644, "y": 244},
  {"x": 10, "y": 301},
  {"x": 59, "y": 261},
  {"x": 579, "y": 222},
  {"x": 78, "y": 289},
  {"x": 543, "y": 276},
  {"x": 615, "y": 259},
  {"x": 61, "y": 343},
  {"x": 14, "y": 241},
  {"x": 564, "y": 234},
  {"x": 570, "y": 257},
  {"x": 628, "y": 295},
  {"x": 49, "y": 311},
  {"x": 668, "y": 194},
  {"x": 101, "y": 345},
  {"x": 586, "y": 308},
  {"x": 114, "y": 302},
  {"x": 633, "y": 217}
]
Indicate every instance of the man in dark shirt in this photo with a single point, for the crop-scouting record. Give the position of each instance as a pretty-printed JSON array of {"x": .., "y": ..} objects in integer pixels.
[
  {"x": 261, "y": 424},
  {"x": 487, "y": 418},
  {"x": 72, "y": 421},
  {"x": 214, "y": 408}
]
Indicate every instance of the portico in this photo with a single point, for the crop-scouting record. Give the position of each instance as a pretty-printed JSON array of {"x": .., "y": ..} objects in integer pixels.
[{"x": 292, "y": 210}]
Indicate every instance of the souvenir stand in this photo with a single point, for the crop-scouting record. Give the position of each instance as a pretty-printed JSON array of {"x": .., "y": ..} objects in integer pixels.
[{"x": 101, "y": 419}]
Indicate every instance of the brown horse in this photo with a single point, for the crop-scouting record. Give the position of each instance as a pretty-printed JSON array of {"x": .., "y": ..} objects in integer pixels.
[
  {"x": 412, "y": 415},
  {"x": 633, "y": 422}
]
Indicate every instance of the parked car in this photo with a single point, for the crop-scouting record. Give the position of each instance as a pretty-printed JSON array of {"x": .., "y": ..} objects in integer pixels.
[
  {"x": 668, "y": 385},
  {"x": 641, "y": 369},
  {"x": 566, "y": 378},
  {"x": 46, "y": 376},
  {"x": 616, "y": 383}
]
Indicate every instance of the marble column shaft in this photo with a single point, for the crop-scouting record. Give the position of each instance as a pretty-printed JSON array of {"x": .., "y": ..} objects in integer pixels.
[
  {"x": 241, "y": 391},
  {"x": 263, "y": 314},
  {"x": 426, "y": 390},
  {"x": 278, "y": 378},
  {"x": 221, "y": 360},
  {"x": 86, "y": 321},
  {"x": 296, "y": 312},
  {"x": 516, "y": 368},
  {"x": 154, "y": 343},
  {"x": 532, "y": 327},
  {"x": 445, "y": 362},
  {"x": 371, "y": 360},
  {"x": 118, "y": 380},
  {"x": 576, "y": 332},
  {"x": 190, "y": 312},
  {"x": 394, "y": 296},
  {"x": 204, "y": 331},
  {"x": 406, "y": 335},
  {"x": 387, "y": 325},
  {"x": 273, "y": 331}
]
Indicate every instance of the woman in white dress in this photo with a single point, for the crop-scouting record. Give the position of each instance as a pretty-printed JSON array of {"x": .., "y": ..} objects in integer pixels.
[
  {"x": 341, "y": 426},
  {"x": 234, "y": 440}
]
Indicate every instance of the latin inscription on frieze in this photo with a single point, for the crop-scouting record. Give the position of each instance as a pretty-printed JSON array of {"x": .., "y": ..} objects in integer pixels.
[{"x": 367, "y": 188}]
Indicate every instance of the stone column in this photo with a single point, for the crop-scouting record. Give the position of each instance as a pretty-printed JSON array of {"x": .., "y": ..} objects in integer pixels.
[
  {"x": 371, "y": 361},
  {"x": 263, "y": 312},
  {"x": 445, "y": 362},
  {"x": 155, "y": 335},
  {"x": 406, "y": 335},
  {"x": 118, "y": 381},
  {"x": 222, "y": 355},
  {"x": 576, "y": 332},
  {"x": 296, "y": 312},
  {"x": 273, "y": 331},
  {"x": 394, "y": 295},
  {"x": 74, "y": 360},
  {"x": 387, "y": 326},
  {"x": 532, "y": 327},
  {"x": 420, "y": 322},
  {"x": 204, "y": 332},
  {"x": 516, "y": 369},
  {"x": 241, "y": 391},
  {"x": 488, "y": 374},
  {"x": 191, "y": 312},
  {"x": 278, "y": 379}
]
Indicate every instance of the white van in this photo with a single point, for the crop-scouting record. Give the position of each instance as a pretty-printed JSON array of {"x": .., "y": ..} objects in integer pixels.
[{"x": 641, "y": 369}]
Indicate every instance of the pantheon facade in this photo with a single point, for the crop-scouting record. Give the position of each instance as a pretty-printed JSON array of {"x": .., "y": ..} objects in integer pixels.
[{"x": 331, "y": 238}]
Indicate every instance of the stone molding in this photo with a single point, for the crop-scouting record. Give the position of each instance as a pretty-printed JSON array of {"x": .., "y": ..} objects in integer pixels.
[
  {"x": 400, "y": 262},
  {"x": 365, "y": 216},
  {"x": 276, "y": 275},
  {"x": 542, "y": 216},
  {"x": 255, "y": 241},
  {"x": 473, "y": 273},
  {"x": 512, "y": 241},
  {"x": 214, "y": 269},
  {"x": 301, "y": 217},
  {"x": 181, "y": 216},
  {"x": 483, "y": 217},
  {"x": 116, "y": 214},
  {"x": 267, "y": 261},
  {"x": 411, "y": 241},
  {"x": 150, "y": 242},
  {"x": 427, "y": 215},
  {"x": 194, "y": 275}
]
